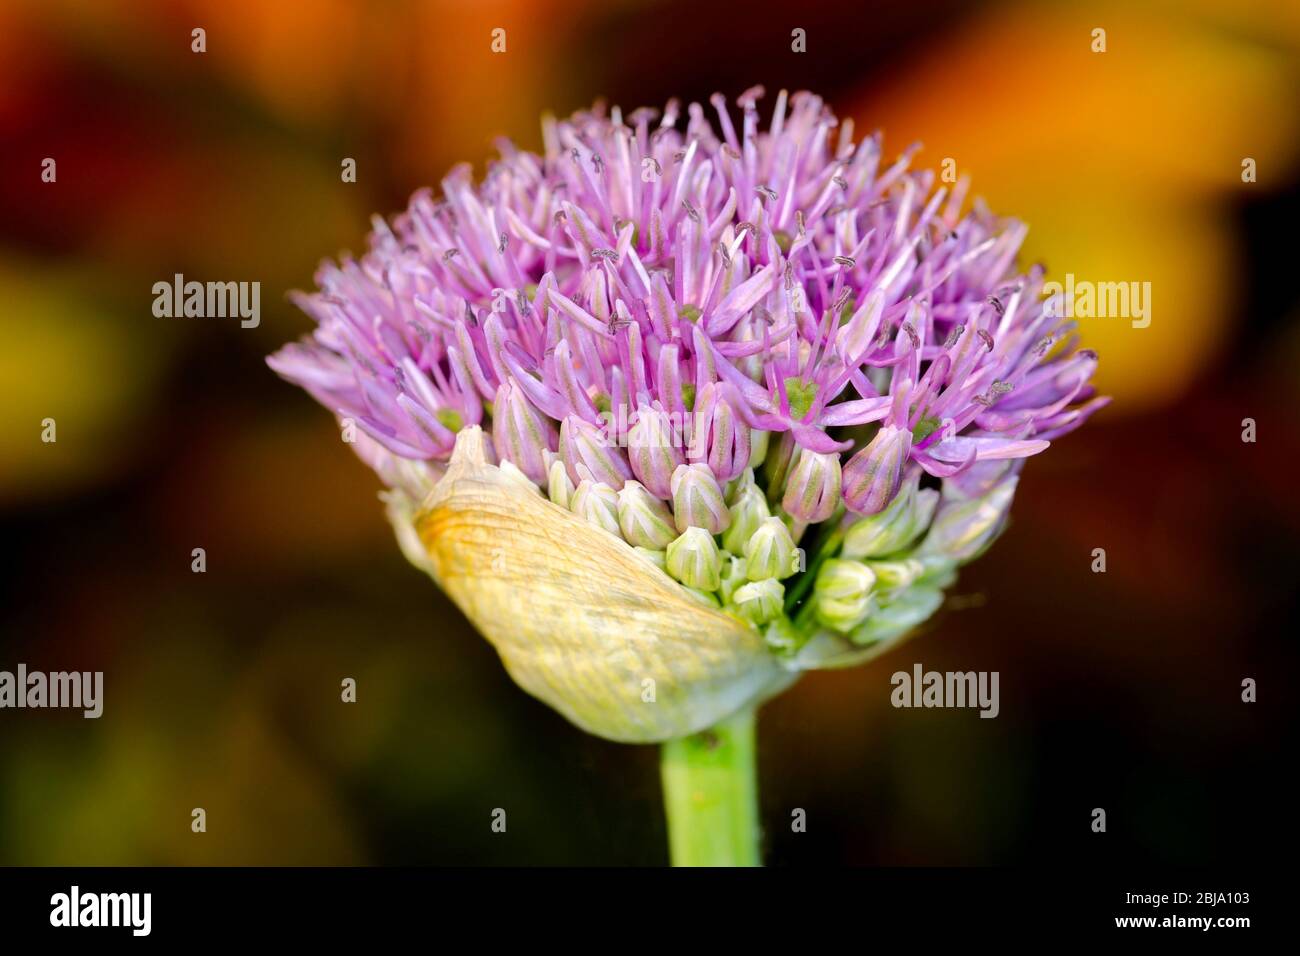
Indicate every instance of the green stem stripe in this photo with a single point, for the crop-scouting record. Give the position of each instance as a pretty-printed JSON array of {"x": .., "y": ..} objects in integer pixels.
[{"x": 711, "y": 795}]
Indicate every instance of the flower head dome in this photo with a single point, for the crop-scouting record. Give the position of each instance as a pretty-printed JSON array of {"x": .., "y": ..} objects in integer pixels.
[{"x": 705, "y": 338}]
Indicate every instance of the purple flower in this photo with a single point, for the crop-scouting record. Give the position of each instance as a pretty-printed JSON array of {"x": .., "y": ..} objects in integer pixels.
[
  {"x": 813, "y": 490},
  {"x": 654, "y": 450},
  {"x": 724, "y": 441},
  {"x": 656, "y": 303},
  {"x": 872, "y": 476},
  {"x": 586, "y": 453},
  {"x": 521, "y": 434},
  {"x": 698, "y": 500}
]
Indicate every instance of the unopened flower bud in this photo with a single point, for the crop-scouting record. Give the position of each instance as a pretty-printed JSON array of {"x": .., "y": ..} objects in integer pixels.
[
  {"x": 962, "y": 529},
  {"x": 596, "y": 503},
  {"x": 559, "y": 485},
  {"x": 758, "y": 444},
  {"x": 940, "y": 573},
  {"x": 733, "y": 576},
  {"x": 703, "y": 597},
  {"x": 693, "y": 559},
  {"x": 759, "y": 601},
  {"x": 796, "y": 527},
  {"x": 731, "y": 490},
  {"x": 813, "y": 489},
  {"x": 769, "y": 552},
  {"x": 653, "y": 451},
  {"x": 724, "y": 443},
  {"x": 748, "y": 511},
  {"x": 842, "y": 579},
  {"x": 697, "y": 499},
  {"x": 891, "y": 575},
  {"x": 510, "y": 471},
  {"x": 894, "y": 528},
  {"x": 520, "y": 434},
  {"x": 776, "y": 466},
  {"x": 843, "y": 594},
  {"x": 584, "y": 445},
  {"x": 658, "y": 558},
  {"x": 872, "y": 476},
  {"x": 783, "y": 636},
  {"x": 644, "y": 520},
  {"x": 900, "y": 615}
]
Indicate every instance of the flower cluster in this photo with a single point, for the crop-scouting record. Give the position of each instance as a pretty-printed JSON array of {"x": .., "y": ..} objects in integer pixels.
[{"x": 798, "y": 379}]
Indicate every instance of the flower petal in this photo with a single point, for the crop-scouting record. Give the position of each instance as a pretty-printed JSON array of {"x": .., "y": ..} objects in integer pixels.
[{"x": 580, "y": 620}]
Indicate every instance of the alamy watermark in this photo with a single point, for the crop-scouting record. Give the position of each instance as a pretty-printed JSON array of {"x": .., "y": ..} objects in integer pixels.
[
  {"x": 76, "y": 690},
  {"x": 1100, "y": 300},
  {"x": 75, "y": 908},
  {"x": 687, "y": 431},
  {"x": 922, "y": 688},
  {"x": 208, "y": 300}
]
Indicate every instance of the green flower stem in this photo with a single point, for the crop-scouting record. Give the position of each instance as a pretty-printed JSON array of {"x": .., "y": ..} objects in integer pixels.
[{"x": 711, "y": 795}]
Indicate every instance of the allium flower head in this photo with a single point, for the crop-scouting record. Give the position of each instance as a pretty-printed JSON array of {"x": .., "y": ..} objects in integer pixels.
[{"x": 702, "y": 346}]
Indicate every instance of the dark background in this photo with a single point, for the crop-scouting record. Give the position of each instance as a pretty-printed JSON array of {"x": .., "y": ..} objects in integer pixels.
[{"x": 1118, "y": 690}]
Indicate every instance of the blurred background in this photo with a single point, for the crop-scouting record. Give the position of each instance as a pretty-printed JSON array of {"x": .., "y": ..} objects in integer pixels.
[{"x": 1119, "y": 690}]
